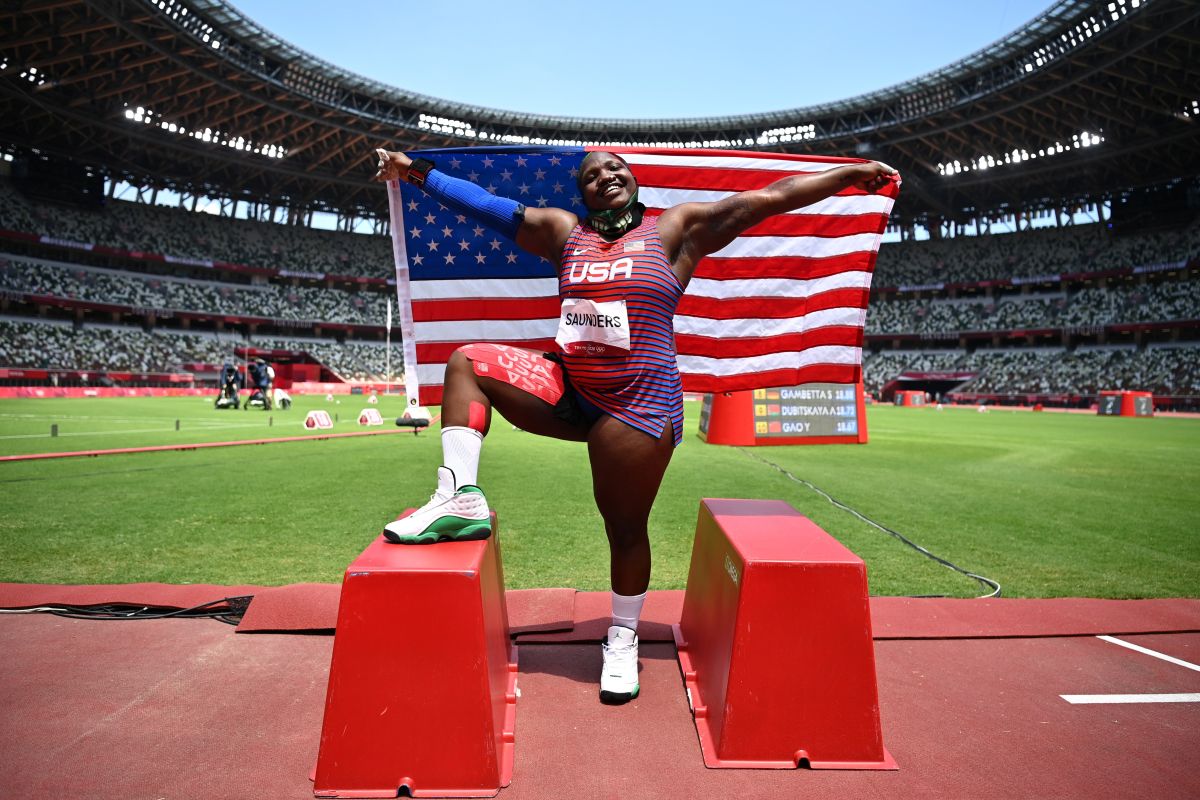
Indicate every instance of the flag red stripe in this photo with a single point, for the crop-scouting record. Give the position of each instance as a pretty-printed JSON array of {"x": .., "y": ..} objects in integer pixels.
[
  {"x": 829, "y": 226},
  {"x": 841, "y": 335},
  {"x": 485, "y": 308},
  {"x": 798, "y": 267},
  {"x": 440, "y": 352},
  {"x": 816, "y": 373},
  {"x": 771, "y": 307}
]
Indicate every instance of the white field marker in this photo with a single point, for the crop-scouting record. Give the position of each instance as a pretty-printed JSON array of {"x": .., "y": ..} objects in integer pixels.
[
  {"x": 1187, "y": 697},
  {"x": 1131, "y": 698},
  {"x": 1178, "y": 661}
]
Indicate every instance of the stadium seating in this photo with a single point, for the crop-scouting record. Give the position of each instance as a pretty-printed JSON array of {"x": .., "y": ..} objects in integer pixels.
[{"x": 910, "y": 304}]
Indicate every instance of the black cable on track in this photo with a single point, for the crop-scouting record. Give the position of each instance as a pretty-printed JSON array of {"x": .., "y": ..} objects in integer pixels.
[
  {"x": 228, "y": 610},
  {"x": 987, "y": 583}
]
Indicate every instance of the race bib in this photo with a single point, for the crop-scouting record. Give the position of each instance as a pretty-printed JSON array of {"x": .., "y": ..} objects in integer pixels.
[{"x": 588, "y": 328}]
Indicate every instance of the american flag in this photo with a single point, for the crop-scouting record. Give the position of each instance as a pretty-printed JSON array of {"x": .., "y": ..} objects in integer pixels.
[{"x": 782, "y": 305}]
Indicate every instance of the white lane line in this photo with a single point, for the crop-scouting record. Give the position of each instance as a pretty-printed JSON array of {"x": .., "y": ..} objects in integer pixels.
[
  {"x": 1149, "y": 652},
  {"x": 1130, "y": 698}
]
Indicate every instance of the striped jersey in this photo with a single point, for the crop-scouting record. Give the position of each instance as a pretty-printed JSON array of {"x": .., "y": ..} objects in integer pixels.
[{"x": 605, "y": 286}]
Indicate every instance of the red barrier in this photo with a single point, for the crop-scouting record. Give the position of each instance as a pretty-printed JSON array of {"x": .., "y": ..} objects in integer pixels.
[
  {"x": 422, "y": 686},
  {"x": 775, "y": 643}
]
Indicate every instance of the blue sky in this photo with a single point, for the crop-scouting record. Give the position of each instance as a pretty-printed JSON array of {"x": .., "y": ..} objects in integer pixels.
[{"x": 642, "y": 59}]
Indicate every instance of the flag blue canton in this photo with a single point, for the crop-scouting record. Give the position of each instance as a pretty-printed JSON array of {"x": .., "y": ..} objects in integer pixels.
[{"x": 444, "y": 244}]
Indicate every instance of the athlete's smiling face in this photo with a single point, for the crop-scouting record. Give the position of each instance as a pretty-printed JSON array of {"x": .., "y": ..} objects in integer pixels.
[{"x": 605, "y": 181}]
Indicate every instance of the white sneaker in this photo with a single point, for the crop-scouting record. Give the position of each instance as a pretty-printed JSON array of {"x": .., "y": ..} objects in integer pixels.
[
  {"x": 450, "y": 515},
  {"x": 619, "y": 679}
]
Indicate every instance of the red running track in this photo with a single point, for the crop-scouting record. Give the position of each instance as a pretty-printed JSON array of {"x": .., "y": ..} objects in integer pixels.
[{"x": 189, "y": 708}]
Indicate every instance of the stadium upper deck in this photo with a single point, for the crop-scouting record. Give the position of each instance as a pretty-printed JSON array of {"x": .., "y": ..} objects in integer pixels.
[{"x": 1087, "y": 100}]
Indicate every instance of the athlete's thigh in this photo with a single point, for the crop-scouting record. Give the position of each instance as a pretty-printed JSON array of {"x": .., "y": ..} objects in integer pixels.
[
  {"x": 523, "y": 386},
  {"x": 527, "y": 412},
  {"x": 627, "y": 467}
]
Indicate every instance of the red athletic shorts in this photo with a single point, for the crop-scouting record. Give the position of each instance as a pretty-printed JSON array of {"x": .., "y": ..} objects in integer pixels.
[{"x": 525, "y": 369}]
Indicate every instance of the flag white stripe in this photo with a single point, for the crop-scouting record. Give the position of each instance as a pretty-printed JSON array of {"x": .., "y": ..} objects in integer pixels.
[
  {"x": 431, "y": 374},
  {"x": 730, "y": 162},
  {"x": 808, "y": 246},
  {"x": 493, "y": 288},
  {"x": 720, "y": 367},
  {"x": 517, "y": 330},
  {"x": 732, "y": 329},
  {"x": 778, "y": 287},
  {"x": 487, "y": 330},
  {"x": 852, "y": 206}
]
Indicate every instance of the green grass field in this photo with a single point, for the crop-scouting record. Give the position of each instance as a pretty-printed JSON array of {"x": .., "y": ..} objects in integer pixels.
[{"x": 1046, "y": 504}]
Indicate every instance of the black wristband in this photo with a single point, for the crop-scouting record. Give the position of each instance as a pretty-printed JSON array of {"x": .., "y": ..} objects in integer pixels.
[{"x": 418, "y": 170}]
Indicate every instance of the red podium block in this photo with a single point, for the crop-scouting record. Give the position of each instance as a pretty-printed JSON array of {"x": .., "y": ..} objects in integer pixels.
[
  {"x": 422, "y": 684},
  {"x": 775, "y": 643}
]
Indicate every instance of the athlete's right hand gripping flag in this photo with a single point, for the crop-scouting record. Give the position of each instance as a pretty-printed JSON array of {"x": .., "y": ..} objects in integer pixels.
[{"x": 784, "y": 304}]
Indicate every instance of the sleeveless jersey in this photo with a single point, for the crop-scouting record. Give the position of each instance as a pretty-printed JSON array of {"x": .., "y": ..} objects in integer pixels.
[{"x": 609, "y": 286}]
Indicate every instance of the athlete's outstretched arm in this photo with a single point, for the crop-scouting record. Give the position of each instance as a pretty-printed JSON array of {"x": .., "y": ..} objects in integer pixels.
[
  {"x": 541, "y": 231},
  {"x": 694, "y": 230}
]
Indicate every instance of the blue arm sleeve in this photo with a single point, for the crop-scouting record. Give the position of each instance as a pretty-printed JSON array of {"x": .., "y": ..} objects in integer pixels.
[{"x": 498, "y": 213}]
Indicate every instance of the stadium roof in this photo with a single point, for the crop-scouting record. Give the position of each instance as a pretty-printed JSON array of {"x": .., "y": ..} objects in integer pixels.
[{"x": 1090, "y": 98}]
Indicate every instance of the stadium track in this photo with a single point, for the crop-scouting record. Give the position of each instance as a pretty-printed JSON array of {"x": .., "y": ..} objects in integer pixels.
[{"x": 188, "y": 707}]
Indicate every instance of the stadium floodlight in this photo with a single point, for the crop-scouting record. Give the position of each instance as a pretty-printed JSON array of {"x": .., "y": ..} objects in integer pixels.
[
  {"x": 791, "y": 133},
  {"x": 442, "y": 125},
  {"x": 1016, "y": 156},
  {"x": 147, "y": 116},
  {"x": 1079, "y": 33},
  {"x": 32, "y": 75}
]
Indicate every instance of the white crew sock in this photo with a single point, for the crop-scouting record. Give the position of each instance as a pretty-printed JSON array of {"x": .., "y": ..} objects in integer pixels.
[
  {"x": 627, "y": 609},
  {"x": 460, "y": 452}
]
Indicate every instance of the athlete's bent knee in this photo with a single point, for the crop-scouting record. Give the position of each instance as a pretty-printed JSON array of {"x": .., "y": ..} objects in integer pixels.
[
  {"x": 458, "y": 360},
  {"x": 626, "y": 534}
]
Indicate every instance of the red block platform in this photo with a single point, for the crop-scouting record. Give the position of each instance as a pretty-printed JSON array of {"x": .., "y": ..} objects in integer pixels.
[
  {"x": 775, "y": 643},
  {"x": 422, "y": 684}
]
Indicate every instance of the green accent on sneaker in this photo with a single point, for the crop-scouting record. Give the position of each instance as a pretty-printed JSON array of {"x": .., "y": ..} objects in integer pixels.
[
  {"x": 445, "y": 529},
  {"x": 619, "y": 698}
]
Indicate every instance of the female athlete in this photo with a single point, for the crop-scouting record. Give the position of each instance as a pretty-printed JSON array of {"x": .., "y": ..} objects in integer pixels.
[{"x": 613, "y": 381}]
